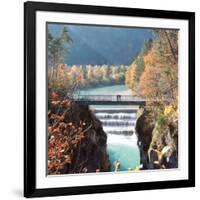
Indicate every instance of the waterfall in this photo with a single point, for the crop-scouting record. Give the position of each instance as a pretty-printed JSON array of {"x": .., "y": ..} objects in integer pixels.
[
  {"x": 119, "y": 124},
  {"x": 117, "y": 120}
]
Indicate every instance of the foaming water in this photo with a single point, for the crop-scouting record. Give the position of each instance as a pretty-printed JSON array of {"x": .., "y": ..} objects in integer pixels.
[
  {"x": 119, "y": 124},
  {"x": 122, "y": 139}
]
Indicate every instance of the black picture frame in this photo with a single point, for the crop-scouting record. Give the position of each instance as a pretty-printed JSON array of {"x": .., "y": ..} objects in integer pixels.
[{"x": 30, "y": 9}]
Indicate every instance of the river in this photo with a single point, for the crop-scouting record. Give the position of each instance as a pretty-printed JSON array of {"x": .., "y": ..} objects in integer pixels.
[
  {"x": 119, "y": 123},
  {"x": 107, "y": 90}
]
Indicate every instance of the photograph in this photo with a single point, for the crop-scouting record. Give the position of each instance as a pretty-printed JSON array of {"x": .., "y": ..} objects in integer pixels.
[{"x": 112, "y": 98}]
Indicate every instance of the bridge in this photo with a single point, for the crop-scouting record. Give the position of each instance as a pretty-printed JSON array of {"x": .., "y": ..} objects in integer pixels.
[{"x": 109, "y": 100}]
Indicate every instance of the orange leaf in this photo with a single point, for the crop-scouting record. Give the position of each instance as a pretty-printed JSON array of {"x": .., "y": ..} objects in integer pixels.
[
  {"x": 54, "y": 95},
  {"x": 56, "y": 130},
  {"x": 78, "y": 78}
]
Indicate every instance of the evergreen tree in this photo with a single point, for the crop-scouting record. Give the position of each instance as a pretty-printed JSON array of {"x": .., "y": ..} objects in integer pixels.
[{"x": 58, "y": 48}]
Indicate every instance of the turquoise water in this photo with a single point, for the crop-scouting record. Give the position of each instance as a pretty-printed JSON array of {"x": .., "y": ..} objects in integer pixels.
[
  {"x": 107, "y": 90},
  {"x": 126, "y": 154},
  {"x": 119, "y": 124},
  {"x": 125, "y": 150}
]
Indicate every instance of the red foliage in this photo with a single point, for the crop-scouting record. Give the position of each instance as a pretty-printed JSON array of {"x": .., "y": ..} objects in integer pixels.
[
  {"x": 79, "y": 78},
  {"x": 63, "y": 135}
]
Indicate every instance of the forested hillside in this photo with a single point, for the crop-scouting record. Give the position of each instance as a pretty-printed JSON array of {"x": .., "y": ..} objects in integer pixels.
[
  {"x": 154, "y": 72},
  {"x": 154, "y": 76},
  {"x": 99, "y": 45}
]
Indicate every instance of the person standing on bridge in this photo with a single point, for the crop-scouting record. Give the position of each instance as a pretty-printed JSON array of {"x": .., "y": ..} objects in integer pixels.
[{"x": 118, "y": 97}]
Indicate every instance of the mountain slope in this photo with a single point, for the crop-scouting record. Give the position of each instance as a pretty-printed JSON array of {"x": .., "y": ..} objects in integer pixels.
[{"x": 102, "y": 45}]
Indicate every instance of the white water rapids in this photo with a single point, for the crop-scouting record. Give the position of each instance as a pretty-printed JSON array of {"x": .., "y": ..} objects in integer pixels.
[{"x": 119, "y": 124}]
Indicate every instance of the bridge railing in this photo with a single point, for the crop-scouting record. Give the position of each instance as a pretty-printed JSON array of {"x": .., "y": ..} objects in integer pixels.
[{"x": 113, "y": 98}]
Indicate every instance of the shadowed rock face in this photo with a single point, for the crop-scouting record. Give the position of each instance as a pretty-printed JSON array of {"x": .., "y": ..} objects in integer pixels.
[
  {"x": 158, "y": 144},
  {"x": 91, "y": 154},
  {"x": 144, "y": 127}
]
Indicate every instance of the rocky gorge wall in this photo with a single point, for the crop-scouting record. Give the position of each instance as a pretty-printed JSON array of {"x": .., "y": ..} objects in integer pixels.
[
  {"x": 157, "y": 142},
  {"x": 86, "y": 148},
  {"x": 91, "y": 154}
]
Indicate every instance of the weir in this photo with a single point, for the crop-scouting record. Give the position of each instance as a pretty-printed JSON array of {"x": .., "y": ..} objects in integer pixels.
[
  {"x": 116, "y": 119},
  {"x": 119, "y": 124}
]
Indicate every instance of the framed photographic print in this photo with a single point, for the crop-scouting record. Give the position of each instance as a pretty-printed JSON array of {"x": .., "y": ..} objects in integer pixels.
[{"x": 109, "y": 99}]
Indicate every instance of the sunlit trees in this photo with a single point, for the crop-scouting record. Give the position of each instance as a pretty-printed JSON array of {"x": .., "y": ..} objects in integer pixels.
[
  {"x": 169, "y": 49},
  {"x": 123, "y": 69},
  {"x": 159, "y": 83},
  {"x": 137, "y": 67},
  {"x": 97, "y": 74},
  {"x": 89, "y": 74},
  {"x": 160, "y": 77},
  {"x": 105, "y": 74},
  {"x": 154, "y": 71},
  {"x": 151, "y": 77},
  {"x": 58, "y": 49},
  {"x": 61, "y": 83},
  {"x": 131, "y": 76},
  {"x": 139, "y": 63}
]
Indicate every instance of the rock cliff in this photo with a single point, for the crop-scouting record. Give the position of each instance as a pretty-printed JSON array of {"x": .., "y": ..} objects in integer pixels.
[
  {"x": 91, "y": 154},
  {"x": 157, "y": 142},
  {"x": 87, "y": 147}
]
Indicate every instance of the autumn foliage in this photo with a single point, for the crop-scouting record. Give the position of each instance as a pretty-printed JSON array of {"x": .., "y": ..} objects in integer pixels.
[
  {"x": 131, "y": 76},
  {"x": 158, "y": 68},
  {"x": 64, "y": 77},
  {"x": 63, "y": 134},
  {"x": 153, "y": 82}
]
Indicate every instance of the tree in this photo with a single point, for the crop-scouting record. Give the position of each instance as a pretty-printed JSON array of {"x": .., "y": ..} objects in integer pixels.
[
  {"x": 130, "y": 77},
  {"x": 168, "y": 40},
  {"x": 123, "y": 69},
  {"x": 97, "y": 73},
  {"x": 137, "y": 67},
  {"x": 104, "y": 71},
  {"x": 112, "y": 73},
  {"x": 155, "y": 81},
  {"x": 58, "y": 48},
  {"x": 147, "y": 46},
  {"x": 150, "y": 83},
  {"x": 139, "y": 62},
  {"x": 168, "y": 47},
  {"x": 89, "y": 73},
  {"x": 154, "y": 71}
]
